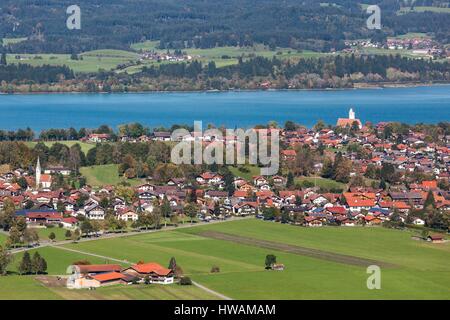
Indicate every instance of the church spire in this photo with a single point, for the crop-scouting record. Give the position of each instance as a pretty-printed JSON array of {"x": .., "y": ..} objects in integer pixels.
[
  {"x": 38, "y": 173},
  {"x": 351, "y": 114}
]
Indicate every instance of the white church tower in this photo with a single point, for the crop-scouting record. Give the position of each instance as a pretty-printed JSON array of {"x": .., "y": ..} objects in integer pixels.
[
  {"x": 351, "y": 114},
  {"x": 38, "y": 173}
]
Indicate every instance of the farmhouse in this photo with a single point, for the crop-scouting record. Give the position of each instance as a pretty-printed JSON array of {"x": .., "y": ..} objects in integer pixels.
[{"x": 155, "y": 272}]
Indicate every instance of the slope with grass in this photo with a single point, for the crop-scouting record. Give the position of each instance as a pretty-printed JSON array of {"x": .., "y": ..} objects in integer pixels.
[
  {"x": 92, "y": 61},
  {"x": 85, "y": 147},
  {"x": 102, "y": 175},
  {"x": 2, "y": 238}
]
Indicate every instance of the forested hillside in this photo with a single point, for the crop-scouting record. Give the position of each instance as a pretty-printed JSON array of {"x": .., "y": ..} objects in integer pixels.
[{"x": 307, "y": 24}]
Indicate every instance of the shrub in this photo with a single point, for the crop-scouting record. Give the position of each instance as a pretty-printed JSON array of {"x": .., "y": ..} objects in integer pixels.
[
  {"x": 185, "y": 281},
  {"x": 215, "y": 269}
]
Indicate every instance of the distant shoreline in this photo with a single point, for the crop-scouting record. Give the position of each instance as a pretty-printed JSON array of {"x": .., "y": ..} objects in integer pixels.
[{"x": 358, "y": 86}]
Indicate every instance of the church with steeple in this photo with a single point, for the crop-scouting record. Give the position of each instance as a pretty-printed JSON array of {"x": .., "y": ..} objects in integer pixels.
[
  {"x": 348, "y": 122},
  {"x": 43, "y": 181}
]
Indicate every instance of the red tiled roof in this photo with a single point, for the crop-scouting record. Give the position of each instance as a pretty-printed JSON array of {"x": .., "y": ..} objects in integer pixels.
[
  {"x": 344, "y": 122},
  {"x": 103, "y": 277},
  {"x": 337, "y": 210},
  {"x": 429, "y": 184},
  {"x": 151, "y": 267},
  {"x": 96, "y": 268}
]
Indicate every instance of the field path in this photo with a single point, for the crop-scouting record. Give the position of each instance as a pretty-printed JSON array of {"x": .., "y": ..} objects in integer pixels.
[
  {"x": 313, "y": 253},
  {"x": 221, "y": 296},
  {"x": 217, "y": 294}
]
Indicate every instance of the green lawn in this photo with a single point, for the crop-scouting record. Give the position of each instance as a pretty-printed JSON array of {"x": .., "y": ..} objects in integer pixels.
[
  {"x": 2, "y": 238},
  {"x": 421, "y": 270},
  {"x": 410, "y": 35},
  {"x": 253, "y": 171},
  {"x": 85, "y": 147},
  {"x": 423, "y": 9},
  {"x": 92, "y": 61},
  {"x": 24, "y": 288},
  {"x": 8, "y": 41},
  {"x": 320, "y": 182},
  {"x": 45, "y": 232},
  {"x": 105, "y": 175}
]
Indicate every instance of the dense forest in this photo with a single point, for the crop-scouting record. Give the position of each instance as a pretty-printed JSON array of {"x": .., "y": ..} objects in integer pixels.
[
  {"x": 306, "y": 24},
  {"x": 35, "y": 74}
]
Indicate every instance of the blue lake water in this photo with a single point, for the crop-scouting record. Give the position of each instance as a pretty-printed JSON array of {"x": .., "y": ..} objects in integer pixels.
[{"x": 243, "y": 109}]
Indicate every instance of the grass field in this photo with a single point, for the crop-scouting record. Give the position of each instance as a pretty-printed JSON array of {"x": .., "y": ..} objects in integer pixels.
[
  {"x": 45, "y": 232},
  {"x": 253, "y": 171},
  {"x": 105, "y": 175},
  {"x": 8, "y": 41},
  {"x": 92, "y": 61},
  {"x": 322, "y": 182},
  {"x": 85, "y": 147},
  {"x": 423, "y": 9},
  {"x": 417, "y": 270},
  {"x": 2, "y": 238}
]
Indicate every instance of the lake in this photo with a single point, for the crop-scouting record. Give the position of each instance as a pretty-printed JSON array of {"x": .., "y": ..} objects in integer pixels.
[{"x": 428, "y": 104}]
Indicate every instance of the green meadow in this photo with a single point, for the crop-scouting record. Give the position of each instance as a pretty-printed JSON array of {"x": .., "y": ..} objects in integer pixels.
[
  {"x": 45, "y": 232},
  {"x": 2, "y": 238},
  {"x": 85, "y": 147},
  {"x": 410, "y": 269},
  {"x": 249, "y": 171},
  {"x": 423, "y": 9},
  {"x": 320, "y": 182},
  {"x": 9, "y": 41},
  {"x": 102, "y": 175},
  {"x": 93, "y": 61}
]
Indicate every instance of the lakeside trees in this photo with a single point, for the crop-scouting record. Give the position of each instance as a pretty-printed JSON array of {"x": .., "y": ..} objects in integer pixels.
[{"x": 324, "y": 72}]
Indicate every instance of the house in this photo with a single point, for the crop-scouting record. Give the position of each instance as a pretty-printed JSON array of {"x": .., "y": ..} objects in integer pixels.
[
  {"x": 70, "y": 222},
  {"x": 98, "y": 137},
  {"x": 216, "y": 195},
  {"x": 259, "y": 180},
  {"x": 127, "y": 215},
  {"x": 155, "y": 272},
  {"x": 359, "y": 201},
  {"x": 93, "y": 211},
  {"x": 313, "y": 222},
  {"x": 41, "y": 216},
  {"x": 210, "y": 178},
  {"x": 161, "y": 136},
  {"x": 245, "y": 208},
  {"x": 278, "y": 180},
  {"x": 105, "y": 279},
  {"x": 93, "y": 276},
  {"x": 58, "y": 170},
  {"x": 435, "y": 238},
  {"x": 288, "y": 155}
]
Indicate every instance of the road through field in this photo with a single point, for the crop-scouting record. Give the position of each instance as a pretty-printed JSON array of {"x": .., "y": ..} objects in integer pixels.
[{"x": 313, "y": 253}]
